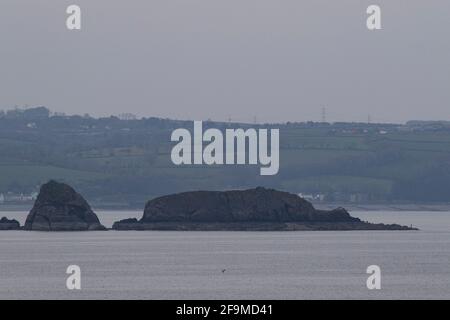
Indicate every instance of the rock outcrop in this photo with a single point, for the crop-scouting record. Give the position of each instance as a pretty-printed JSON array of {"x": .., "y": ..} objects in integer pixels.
[
  {"x": 59, "y": 207},
  {"x": 6, "y": 224},
  {"x": 254, "y": 209}
]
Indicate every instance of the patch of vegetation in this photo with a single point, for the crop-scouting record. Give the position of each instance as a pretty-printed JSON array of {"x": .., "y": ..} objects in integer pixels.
[{"x": 109, "y": 158}]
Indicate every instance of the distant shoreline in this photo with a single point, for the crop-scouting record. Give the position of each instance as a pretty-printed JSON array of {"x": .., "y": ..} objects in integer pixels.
[
  {"x": 322, "y": 206},
  {"x": 386, "y": 207}
]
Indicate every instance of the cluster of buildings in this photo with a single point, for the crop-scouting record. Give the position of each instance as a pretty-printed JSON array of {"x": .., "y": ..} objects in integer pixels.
[
  {"x": 339, "y": 197},
  {"x": 11, "y": 197},
  {"x": 319, "y": 197}
]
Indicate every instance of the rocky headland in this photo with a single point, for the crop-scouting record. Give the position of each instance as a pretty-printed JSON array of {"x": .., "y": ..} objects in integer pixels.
[
  {"x": 257, "y": 209},
  {"x": 59, "y": 207}
]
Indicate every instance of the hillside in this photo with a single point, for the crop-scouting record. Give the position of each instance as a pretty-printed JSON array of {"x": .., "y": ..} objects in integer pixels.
[{"x": 128, "y": 161}]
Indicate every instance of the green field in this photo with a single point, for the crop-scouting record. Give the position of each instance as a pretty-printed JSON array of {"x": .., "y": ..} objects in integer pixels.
[{"x": 109, "y": 158}]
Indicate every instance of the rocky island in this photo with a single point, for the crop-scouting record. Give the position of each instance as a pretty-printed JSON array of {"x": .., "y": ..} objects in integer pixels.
[
  {"x": 6, "y": 224},
  {"x": 59, "y": 207},
  {"x": 257, "y": 209}
]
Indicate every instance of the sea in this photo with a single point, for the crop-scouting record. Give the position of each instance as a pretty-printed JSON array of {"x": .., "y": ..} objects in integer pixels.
[{"x": 230, "y": 265}]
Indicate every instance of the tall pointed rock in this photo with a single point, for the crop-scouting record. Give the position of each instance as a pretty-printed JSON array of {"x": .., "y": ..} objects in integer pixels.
[{"x": 59, "y": 207}]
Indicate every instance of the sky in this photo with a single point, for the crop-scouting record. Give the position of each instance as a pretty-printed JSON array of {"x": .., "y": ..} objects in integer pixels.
[{"x": 245, "y": 60}]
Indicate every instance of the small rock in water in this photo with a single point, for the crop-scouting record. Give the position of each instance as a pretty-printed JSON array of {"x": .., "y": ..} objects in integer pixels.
[{"x": 6, "y": 224}]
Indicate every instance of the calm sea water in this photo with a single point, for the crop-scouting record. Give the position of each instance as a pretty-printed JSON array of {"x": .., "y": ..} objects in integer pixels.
[{"x": 259, "y": 265}]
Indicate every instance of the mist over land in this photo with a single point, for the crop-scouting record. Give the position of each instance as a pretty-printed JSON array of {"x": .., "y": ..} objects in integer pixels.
[
  {"x": 127, "y": 162},
  {"x": 341, "y": 96},
  {"x": 241, "y": 63}
]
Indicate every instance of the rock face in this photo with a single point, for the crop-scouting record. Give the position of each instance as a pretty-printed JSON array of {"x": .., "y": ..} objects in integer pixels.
[
  {"x": 58, "y": 207},
  {"x": 254, "y": 209},
  {"x": 255, "y": 205},
  {"x": 6, "y": 224}
]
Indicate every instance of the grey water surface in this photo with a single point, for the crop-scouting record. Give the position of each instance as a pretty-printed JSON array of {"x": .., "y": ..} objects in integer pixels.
[{"x": 258, "y": 265}]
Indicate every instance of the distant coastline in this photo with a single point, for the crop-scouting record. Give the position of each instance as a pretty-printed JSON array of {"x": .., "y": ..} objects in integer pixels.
[
  {"x": 401, "y": 207},
  {"x": 386, "y": 207},
  {"x": 59, "y": 207},
  {"x": 122, "y": 161}
]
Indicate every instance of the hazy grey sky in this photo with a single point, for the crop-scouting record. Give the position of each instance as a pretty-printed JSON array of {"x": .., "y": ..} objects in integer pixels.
[{"x": 196, "y": 59}]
